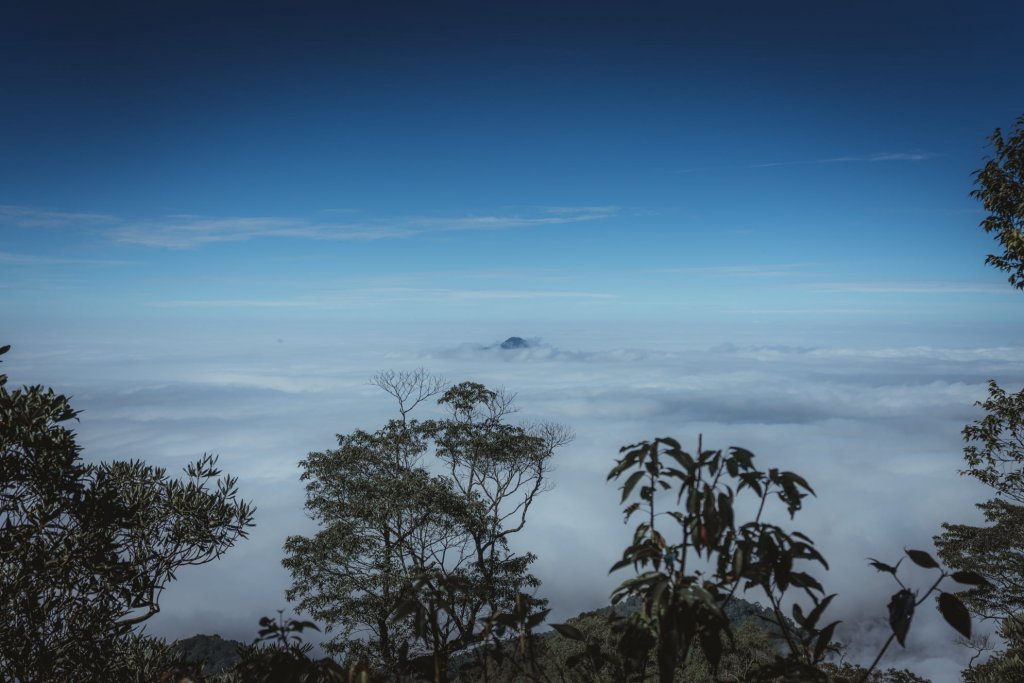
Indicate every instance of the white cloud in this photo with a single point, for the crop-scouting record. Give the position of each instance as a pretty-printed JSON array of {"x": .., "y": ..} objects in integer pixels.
[
  {"x": 870, "y": 158},
  {"x": 29, "y": 217},
  {"x": 875, "y": 431},
  {"x": 561, "y": 215},
  {"x": 341, "y": 299},
  {"x": 191, "y": 231},
  {"x": 237, "y": 303},
  {"x": 188, "y": 231},
  {"x": 909, "y": 287},
  {"x": 740, "y": 270},
  {"x": 181, "y": 232},
  {"x": 13, "y": 259}
]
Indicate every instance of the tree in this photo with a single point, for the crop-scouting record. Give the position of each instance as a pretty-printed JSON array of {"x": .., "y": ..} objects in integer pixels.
[
  {"x": 412, "y": 552},
  {"x": 381, "y": 517},
  {"x": 995, "y": 456},
  {"x": 691, "y": 554},
  {"x": 501, "y": 468},
  {"x": 86, "y": 550},
  {"x": 1000, "y": 188},
  {"x": 691, "y": 561},
  {"x": 1009, "y": 664},
  {"x": 279, "y": 656},
  {"x": 995, "y": 444},
  {"x": 995, "y": 552}
]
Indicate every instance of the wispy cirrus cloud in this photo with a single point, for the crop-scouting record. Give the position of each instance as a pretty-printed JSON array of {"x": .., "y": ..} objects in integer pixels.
[
  {"x": 909, "y": 287},
  {"x": 869, "y": 158},
  {"x": 29, "y": 217},
  {"x": 15, "y": 259},
  {"x": 239, "y": 303},
  {"x": 185, "y": 231},
  {"x": 180, "y": 232},
  {"x": 557, "y": 216},
  {"x": 740, "y": 270},
  {"x": 382, "y": 295}
]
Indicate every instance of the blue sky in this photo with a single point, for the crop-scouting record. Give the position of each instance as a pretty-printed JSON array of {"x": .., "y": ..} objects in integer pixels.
[
  {"x": 463, "y": 161},
  {"x": 218, "y": 219}
]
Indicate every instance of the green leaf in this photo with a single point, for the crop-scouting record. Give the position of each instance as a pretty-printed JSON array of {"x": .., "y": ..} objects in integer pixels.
[
  {"x": 805, "y": 581},
  {"x": 569, "y": 631},
  {"x": 738, "y": 562},
  {"x": 711, "y": 644},
  {"x": 657, "y": 593},
  {"x": 922, "y": 559},
  {"x": 815, "y": 614},
  {"x": 630, "y": 484},
  {"x": 824, "y": 638},
  {"x": 627, "y": 461},
  {"x": 744, "y": 457},
  {"x": 793, "y": 476},
  {"x": 732, "y": 468},
  {"x": 670, "y": 442},
  {"x": 955, "y": 614},
  {"x": 901, "y": 611},
  {"x": 535, "y": 619},
  {"x": 970, "y": 578},
  {"x": 624, "y": 562},
  {"x": 883, "y": 567},
  {"x": 683, "y": 458}
]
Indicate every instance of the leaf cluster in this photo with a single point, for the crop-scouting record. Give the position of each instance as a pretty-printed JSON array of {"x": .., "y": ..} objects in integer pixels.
[
  {"x": 86, "y": 550},
  {"x": 1000, "y": 188},
  {"x": 685, "y": 582},
  {"x": 412, "y": 555}
]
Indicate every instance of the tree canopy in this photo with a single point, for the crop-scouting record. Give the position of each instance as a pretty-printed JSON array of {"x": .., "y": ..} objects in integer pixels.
[
  {"x": 1000, "y": 188},
  {"x": 86, "y": 550},
  {"x": 420, "y": 513},
  {"x": 994, "y": 450},
  {"x": 994, "y": 454}
]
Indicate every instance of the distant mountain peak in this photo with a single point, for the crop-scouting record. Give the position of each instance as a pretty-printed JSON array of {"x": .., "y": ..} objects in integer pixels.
[{"x": 515, "y": 343}]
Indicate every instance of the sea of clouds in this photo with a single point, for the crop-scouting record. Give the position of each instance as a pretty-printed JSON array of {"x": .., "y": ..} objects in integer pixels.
[{"x": 874, "y": 428}]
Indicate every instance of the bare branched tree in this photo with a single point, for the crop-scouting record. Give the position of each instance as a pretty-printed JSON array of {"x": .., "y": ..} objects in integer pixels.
[{"x": 409, "y": 387}]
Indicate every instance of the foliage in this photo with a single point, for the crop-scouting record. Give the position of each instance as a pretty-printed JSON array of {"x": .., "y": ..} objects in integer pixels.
[
  {"x": 688, "y": 570},
  {"x": 1000, "y": 188},
  {"x": 380, "y": 516},
  {"x": 597, "y": 657},
  {"x": 86, "y": 550},
  {"x": 138, "y": 658},
  {"x": 683, "y": 597},
  {"x": 904, "y": 602},
  {"x": 994, "y": 552},
  {"x": 995, "y": 456},
  {"x": 686, "y": 579},
  {"x": 995, "y": 444},
  {"x": 216, "y": 653},
  {"x": 851, "y": 673},
  {"x": 278, "y": 655},
  {"x": 409, "y": 562},
  {"x": 1007, "y": 665}
]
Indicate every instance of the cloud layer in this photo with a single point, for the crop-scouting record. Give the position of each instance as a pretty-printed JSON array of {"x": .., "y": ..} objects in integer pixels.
[{"x": 875, "y": 431}]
